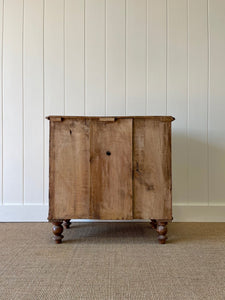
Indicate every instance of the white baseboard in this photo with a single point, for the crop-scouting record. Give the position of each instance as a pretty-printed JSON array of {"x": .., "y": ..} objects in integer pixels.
[
  {"x": 193, "y": 213},
  {"x": 181, "y": 213}
]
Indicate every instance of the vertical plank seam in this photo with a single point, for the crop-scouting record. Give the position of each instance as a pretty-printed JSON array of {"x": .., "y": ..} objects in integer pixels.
[
  {"x": 208, "y": 107},
  {"x": 64, "y": 56},
  {"x": 166, "y": 54},
  {"x": 43, "y": 101},
  {"x": 132, "y": 176},
  {"x": 3, "y": 7},
  {"x": 188, "y": 108},
  {"x": 90, "y": 168},
  {"x": 23, "y": 119},
  {"x": 125, "y": 57},
  {"x": 106, "y": 100},
  {"x": 84, "y": 58},
  {"x": 147, "y": 61}
]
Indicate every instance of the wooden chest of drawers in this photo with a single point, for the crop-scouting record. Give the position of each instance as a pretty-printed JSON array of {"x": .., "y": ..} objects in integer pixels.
[{"x": 110, "y": 168}]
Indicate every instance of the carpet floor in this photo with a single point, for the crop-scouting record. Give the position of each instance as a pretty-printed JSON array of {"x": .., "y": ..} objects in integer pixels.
[{"x": 105, "y": 261}]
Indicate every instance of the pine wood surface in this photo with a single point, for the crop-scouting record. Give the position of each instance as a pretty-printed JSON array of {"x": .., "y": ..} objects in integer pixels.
[
  {"x": 152, "y": 169},
  {"x": 110, "y": 168},
  {"x": 111, "y": 118},
  {"x": 69, "y": 169}
]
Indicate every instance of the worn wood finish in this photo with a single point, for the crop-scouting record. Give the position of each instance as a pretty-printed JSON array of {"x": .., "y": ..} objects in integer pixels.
[
  {"x": 110, "y": 118},
  {"x": 111, "y": 169},
  {"x": 114, "y": 168},
  {"x": 69, "y": 169},
  {"x": 152, "y": 169}
]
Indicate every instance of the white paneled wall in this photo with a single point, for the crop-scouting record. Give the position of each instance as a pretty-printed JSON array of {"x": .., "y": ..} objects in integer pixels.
[{"x": 113, "y": 57}]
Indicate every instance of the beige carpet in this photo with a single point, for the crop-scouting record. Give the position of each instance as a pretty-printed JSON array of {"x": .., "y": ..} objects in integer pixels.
[{"x": 112, "y": 261}]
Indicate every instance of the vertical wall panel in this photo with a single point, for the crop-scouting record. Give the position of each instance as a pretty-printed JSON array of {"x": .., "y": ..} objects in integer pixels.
[
  {"x": 115, "y": 57},
  {"x": 1, "y": 95},
  {"x": 156, "y": 103},
  {"x": 217, "y": 102},
  {"x": 177, "y": 103},
  {"x": 33, "y": 101},
  {"x": 53, "y": 69},
  {"x": 136, "y": 57},
  {"x": 13, "y": 102},
  {"x": 74, "y": 57},
  {"x": 95, "y": 57},
  {"x": 54, "y": 56},
  {"x": 198, "y": 96}
]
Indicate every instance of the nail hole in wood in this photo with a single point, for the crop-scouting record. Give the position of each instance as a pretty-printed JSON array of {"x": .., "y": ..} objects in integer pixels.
[{"x": 108, "y": 153}]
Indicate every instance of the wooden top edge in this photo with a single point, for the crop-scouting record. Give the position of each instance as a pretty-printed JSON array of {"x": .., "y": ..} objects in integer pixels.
[{"x": 159, "y": 118}]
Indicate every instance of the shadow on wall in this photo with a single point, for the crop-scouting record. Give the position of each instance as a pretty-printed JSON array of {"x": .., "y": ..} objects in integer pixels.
[{"x": 198, "y": 169}]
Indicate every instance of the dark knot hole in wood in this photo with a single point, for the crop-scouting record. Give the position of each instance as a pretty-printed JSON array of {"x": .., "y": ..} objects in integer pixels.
[{"x": 108, "y": 153}]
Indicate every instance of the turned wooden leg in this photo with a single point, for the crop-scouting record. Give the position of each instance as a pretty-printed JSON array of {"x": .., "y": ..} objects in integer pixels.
[
  {"x": 66, "y": 223},
  {"x": 57, "y": 230},
  {"x": 153, "y": 223},
  {"x": 162, "y": 231}
]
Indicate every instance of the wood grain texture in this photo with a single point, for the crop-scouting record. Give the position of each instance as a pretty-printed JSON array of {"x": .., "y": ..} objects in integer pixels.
[
  {"x": 69, "y": 170},
  {"x": 111, "y": 169},
  {"x": 152, "y": 170},
  {"x": 156, "y": 118}
]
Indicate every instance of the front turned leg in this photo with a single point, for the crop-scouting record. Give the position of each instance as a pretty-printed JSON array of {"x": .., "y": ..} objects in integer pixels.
[
  {"x": 57, "y": 230},
  {"x": 162, "y": 231},
  {"x": 66, "y": 223}
]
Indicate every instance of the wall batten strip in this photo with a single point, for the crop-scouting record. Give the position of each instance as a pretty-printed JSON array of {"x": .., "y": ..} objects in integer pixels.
[
  {"x": 115, "y": 57},
  {"x": 64, "y": 56},
  {"x": 84, "y": 59},
  {"x": 106, "y": 105},
  {"x": 33, "y": 101},
  {"x": 1, "y": 84},
  {"x": 156, "y": 48},
  {"x": 188, "y": 105},
  {"x": 147, "y": 62},
  {"x": 43, "y": 102},
  {"x": 216, "y": 100},
  {"x": 23, "y": 119},
  {"x": 166, "y": 54},
  {"x": 125, "y": 42},
  {"x": 12, "y": 102},
  {"x": 208, "y": 106}
]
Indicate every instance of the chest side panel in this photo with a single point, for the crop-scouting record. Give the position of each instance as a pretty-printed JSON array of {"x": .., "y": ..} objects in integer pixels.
[
  {"x": 69, "y": 192},
  {"x": 152, "y": 169},
  {"x": 111, "y": 169}
]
